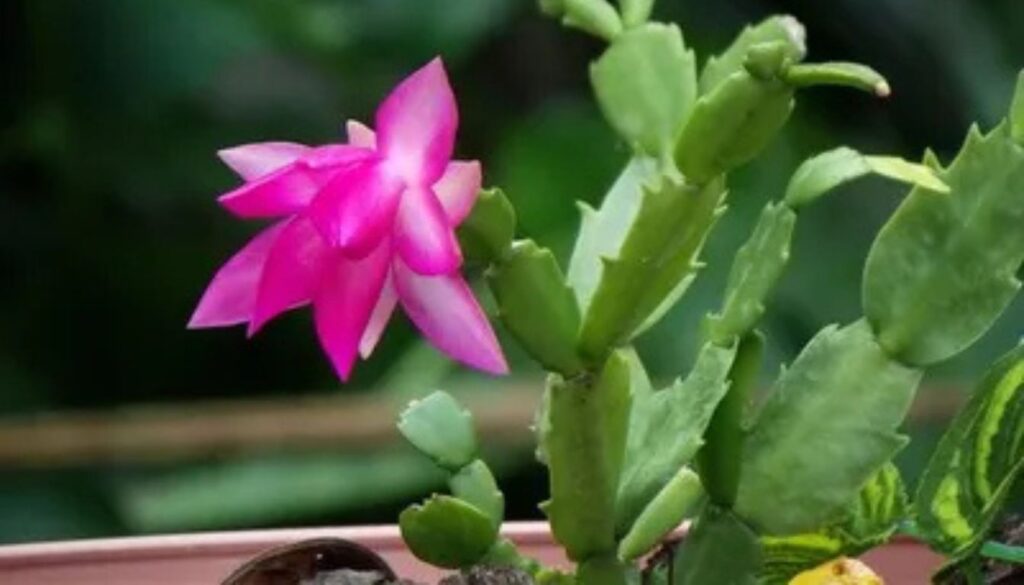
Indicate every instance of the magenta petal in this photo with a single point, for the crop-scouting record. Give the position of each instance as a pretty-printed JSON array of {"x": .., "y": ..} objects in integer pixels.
[
  {"x": 335, "y": 156},
  {"x": 444, "y": 309},
  {"x": 231, "y": 295},
  {"x": 423, "y": 237},
  {"x": 282, "y": 192},
  {"x": 252, "y": 161},
  {"x": 292, "y": 272},
  {"x": 357, "y": 208},
  {"x": 458, "y": 188},
  {"x": 348, "y": 292},
  {"x": 416, "y": 125},
  {"x": 360, "y": 134}
]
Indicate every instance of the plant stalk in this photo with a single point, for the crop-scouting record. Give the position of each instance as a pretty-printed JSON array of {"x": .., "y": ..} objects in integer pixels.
[
  {"x": 722, "y": 453},
  {"x": 1003, "y": 552},
  {"x": 604, "y": 570}
]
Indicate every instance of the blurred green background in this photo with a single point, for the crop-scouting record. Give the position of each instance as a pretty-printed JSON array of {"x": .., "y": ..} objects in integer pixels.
[{"x": 113, "y": 110}]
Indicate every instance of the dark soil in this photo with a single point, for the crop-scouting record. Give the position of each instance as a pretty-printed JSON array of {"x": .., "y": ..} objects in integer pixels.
[
  {"x": 474, "y": 576},
  {"x": 346, "y": 577},
  {"x": 489, "y": 576}
]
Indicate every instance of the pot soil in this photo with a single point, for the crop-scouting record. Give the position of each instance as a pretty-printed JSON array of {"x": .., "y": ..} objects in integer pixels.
[{"x": 209, "y": 558}]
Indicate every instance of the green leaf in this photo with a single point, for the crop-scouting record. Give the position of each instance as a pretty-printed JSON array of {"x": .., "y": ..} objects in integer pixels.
[
  {"x": 553, "y": 8},
  {"x": 1017, "y": 110},
  {"x": 486, "y": 233},
  {"x": 441, "y": 429},
  {"x": 596, "y": 17},
  {"x": 721, "y": 549},
  {"x": 665, "y": 431},
  {"x": 585, "y": 441},
  {"x": 828, "y": 426},
  {"x": 879, "y": 508},
  {"x": 447, "y": 532},
  {"x": 504, "y": 553},
  {"x": 678, "y": 498},
  {"x": 943, "y": 268},
  {"x": 731, "y": 125},
  {"x": 639, "y": 383},
  {"x": 840, "y": 73},
  {"x": 537, "y": 306},
  {"x": 604, "y": 570},
  {"x": 896, "y": 168},
  {"x": 785, "y": 29},
  {"x": 635, "y": 12},
  {"x": 824, "y": 172},
  {"x": 646, "y": 83},
  {"x": 602, "y": 232},
  {"x": 542, "y": 426},
  {"x": 869, "y": 522},
  {"x": 977, "y": 463},
  {"x": 656, "y": 260},
  {"x": 931, "y": 160},
  {"x": 475, "y": 484},
  {"x": 756, "y": 268}
]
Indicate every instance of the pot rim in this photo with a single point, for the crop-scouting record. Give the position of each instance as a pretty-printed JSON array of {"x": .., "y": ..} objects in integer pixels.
[{"x": 216, "y": 544}]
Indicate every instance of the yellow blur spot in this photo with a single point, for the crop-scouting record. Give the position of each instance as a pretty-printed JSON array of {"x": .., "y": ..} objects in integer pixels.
[{"x": 841, "y": 571}]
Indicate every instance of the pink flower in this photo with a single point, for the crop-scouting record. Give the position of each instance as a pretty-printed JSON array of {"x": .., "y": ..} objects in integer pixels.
[{"x": 367, "y": 225}]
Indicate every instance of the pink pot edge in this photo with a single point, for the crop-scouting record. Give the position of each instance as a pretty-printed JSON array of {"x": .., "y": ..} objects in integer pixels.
[{"x": 211, "y": 556}]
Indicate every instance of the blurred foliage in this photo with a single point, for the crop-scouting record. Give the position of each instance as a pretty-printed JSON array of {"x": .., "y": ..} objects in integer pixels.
[{"x": 112, "y": 112}]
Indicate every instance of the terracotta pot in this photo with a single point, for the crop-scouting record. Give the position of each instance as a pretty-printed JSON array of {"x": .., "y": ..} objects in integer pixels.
[{"x": 207, "y": 558}]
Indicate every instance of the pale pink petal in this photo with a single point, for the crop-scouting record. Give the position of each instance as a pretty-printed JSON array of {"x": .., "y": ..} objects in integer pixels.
[
  {"x": 292, "y": 271},
  {"x": 357, "y": 208},
  {"x": 360, "y": 134},
  {"x": 282, "y": 192},
  {"x": 378, "y": 319},
  {"x": 348, "y": 292},
  {"x": 423, "y": 237},
  {"x": 231, "y": 295},
  {"x": 252, "y": 161},
  {"x": 458, "y": 188},
  {"x": 416, "y": 125},
  {"x": 445, "y": 311}
]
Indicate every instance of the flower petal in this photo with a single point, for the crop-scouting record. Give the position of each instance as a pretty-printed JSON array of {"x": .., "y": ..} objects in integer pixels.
[
  {"x": 360, "y": 134},
  {"x": 282, "y": 192},
  {"x": 336, "y": 156},
  {"x": 231, "y": 295},
  {"x": 458, "y": 188},
  {"x": 292, "y": 272},
  {"x": 357, "y": 208},
  {"x": 252, "y": 161},
  {"x": 416, "y": 125},
  {"x": 445, "y": 311},
  {"x": 343, "y": 304},
  {"x": 423, "y": 237},
  {"x": 379, "y": 318}
]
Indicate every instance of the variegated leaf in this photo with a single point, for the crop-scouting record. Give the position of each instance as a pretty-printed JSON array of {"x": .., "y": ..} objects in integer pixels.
[
  {"x": 869, "y": 521},
  {"x": 977, "y": 463}
]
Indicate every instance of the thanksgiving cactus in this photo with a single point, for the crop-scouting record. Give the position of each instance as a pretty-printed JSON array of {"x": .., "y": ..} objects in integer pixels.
[{"x": 778, "y": 493}]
